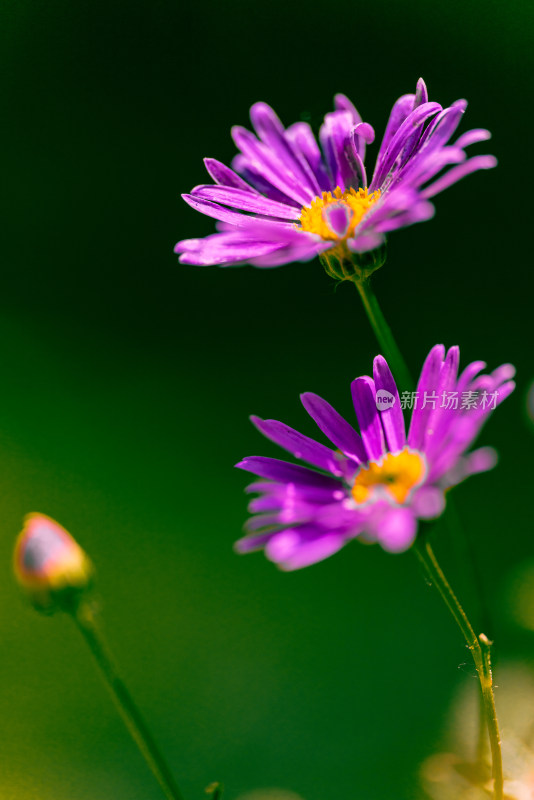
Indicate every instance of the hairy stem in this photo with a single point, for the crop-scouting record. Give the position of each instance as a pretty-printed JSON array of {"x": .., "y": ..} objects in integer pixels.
[{"x": 480, "y": 650}]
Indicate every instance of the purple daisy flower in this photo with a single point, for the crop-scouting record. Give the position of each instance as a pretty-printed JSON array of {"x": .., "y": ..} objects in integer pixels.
[
  {"x": 378, "y": 483},
  {"x": 289, "y": 199}
]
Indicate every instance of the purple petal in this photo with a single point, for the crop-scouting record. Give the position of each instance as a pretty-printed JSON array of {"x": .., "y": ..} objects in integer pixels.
[
  {"x": 301, "y": 137},
  {"x": 297, "y": 251},
  {"x": 273, "y": 469},
  {"x": 472, "y": 137},
  {"x": 262, "y": 521},
  {"x": 338, "y": 218},
  {"x": 427, "y": 384},
  {"x": 481, "y": 460},
  {"x": 286, "y": 494},
  {"x": 356, "y": 162},
  {"x": 428, "y": 502},
  {"x": 425, "y": 165},
  {"x": 225, "y": 176},
  {"x": 213, "y": 210},
  {"x": 361, "y": 135},
  {"x": 503, "y": 373},
  {"x": 363, "y": 397},
  {"x": 397, "y": 530},
  {"x": 245, "y": 201},
  {"x": 391, "y": 415},
  {"x": 334, "y": 426},
  {"x": 411, "y": 126},
  {"x": 364, "y": 242},
  {"x": 364, "y": 131},
  {"x": 223, "y": 248},
  {"x": 444, "y": 125},
  {"x": 250, "y": 543},
  {"x": 402, "y": 107},
  {"x": 300, "y": 547},
  {"x": 271, "y": 132},
  {"x": 459, "y": 172},
  {"x": 260, "y": 183},
  {"x": 342, "y": 103},
  {"x": 334, "y": 134},
  {"x": 467, "y": 376},
  {"x": 299, "y": 445},
  {"x": 441, "y": 417},
  {"x": 270, "y": 167},
  {"x": 421, "y": 93}
]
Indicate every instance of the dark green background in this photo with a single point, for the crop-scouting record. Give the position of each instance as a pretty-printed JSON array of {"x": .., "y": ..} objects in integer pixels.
[{"x": 127, "y": 380}]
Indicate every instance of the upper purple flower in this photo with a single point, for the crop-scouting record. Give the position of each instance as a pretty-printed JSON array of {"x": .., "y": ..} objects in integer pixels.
[
  {"x": 289, "y": 199},
  {"x": 377, "y": 484}
]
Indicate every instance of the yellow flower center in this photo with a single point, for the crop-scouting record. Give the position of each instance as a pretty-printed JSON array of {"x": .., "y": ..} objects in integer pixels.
[
  {"x": 395, "y": 474},
  {"x": 334, "y": 216}
]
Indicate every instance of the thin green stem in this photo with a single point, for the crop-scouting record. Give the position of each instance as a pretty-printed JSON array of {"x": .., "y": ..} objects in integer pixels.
[
  {"x": 86, "y": 622},
  {"x": 480, "y": 650},
  {"x": 382, "y": 331}
]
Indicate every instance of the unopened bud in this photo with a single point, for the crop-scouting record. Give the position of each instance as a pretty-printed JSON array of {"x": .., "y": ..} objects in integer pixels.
[{"x": 49, "y": 565}]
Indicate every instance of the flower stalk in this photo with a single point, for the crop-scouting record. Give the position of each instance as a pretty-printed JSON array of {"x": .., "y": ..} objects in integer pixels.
[
  {"x": 383, "y": 333},
  {"x": 86, "y": 621},
  {"x": 480, "y": 650}
]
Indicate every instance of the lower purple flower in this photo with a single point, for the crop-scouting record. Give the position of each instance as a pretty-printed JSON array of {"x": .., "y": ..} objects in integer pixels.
[
  {"x": 290, "y": 198},
  {"x": 376, "y": 484}
]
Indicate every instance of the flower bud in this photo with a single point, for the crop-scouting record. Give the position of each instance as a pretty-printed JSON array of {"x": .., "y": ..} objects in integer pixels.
[{"x": 50, "y": 566}]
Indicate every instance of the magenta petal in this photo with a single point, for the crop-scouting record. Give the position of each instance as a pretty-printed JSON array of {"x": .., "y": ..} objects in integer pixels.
[
  {"x": 301, "y": 137},
  {"x": 272, "y": 133},
  {"x": 406, "y": 131},
  {"x": 246, "y": 201},
  {"x": 402, "y": 107},
  {"x": 338, "y": 218},
  {"x": 356, "y": 162},
  {"x": 283, "y": 471},
  {"x": 223, "y": 249},
  {"x": 299, "y": 445},
  {"x": 421, "y": 93},
  {"x": 459, "y": 172},
  {"x": 250, "y": 543},
  {"x": 428, "y": 502},
  {"x": 299, "y": 547},
  {"x": 364, "y": 242},
  {"x": 225, "y": 176},
  {"x": 366, "y": 132},
  {"x": 334, "y": 426},
  {"x": 391, "y": 412},
  {"x": 264, "y": 161},
  {"x": 364, "y": 399},
  {"x": 342, "y": 103},
  {"x": 397, "y": 530},
  {"x": 472, "y": 137},
  {"x": 214, "y": 210},
  {"x": 334, "y": 134},
  {"x": 303, "y": 250},
  {"x": 427, "y": 385}
]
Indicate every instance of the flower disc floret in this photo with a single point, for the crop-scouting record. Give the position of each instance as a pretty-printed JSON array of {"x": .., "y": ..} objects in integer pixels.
[
  {"x": 394, "y": 477},
  {"x": 335, "y": 215}
]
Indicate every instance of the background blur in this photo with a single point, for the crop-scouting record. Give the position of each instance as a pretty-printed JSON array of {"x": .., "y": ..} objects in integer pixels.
[{"x": 127, "y": 381}]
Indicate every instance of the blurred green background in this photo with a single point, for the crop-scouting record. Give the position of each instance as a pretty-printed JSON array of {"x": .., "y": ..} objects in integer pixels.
[{"x": 127, "y": 381}]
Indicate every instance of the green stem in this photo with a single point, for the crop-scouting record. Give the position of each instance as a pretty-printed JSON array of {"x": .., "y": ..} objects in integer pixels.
[
  {"x": 382, "y": 331},
  {"x": 480, "y": 650},
  {"x": 86, "y": 622}
]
